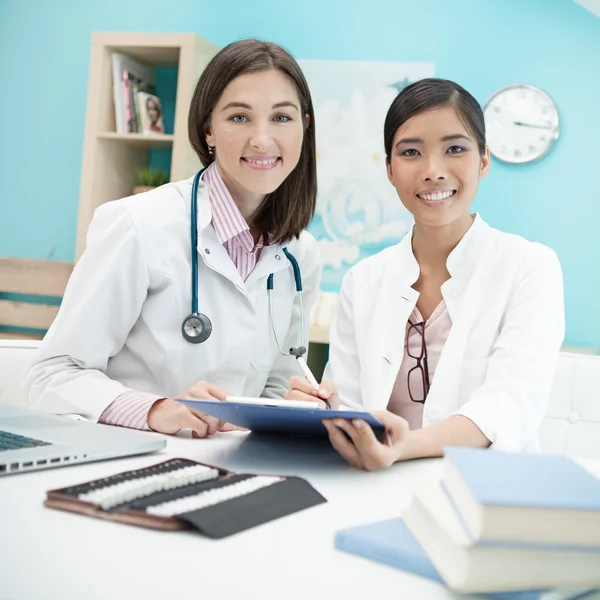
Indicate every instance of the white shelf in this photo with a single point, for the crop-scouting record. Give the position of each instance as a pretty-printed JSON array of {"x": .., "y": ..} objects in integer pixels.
[{"x": 140, "y": 140}]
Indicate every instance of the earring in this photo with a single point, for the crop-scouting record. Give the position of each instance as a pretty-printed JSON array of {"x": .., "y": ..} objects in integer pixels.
[{"x": 210, "y": 150}]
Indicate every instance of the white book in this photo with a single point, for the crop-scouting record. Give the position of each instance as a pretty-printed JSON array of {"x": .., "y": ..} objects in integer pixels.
[{"x": 476, "y": 568}]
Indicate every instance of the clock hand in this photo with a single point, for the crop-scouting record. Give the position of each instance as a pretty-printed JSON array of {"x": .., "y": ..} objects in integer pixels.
[{"x": 531, "y": 125}]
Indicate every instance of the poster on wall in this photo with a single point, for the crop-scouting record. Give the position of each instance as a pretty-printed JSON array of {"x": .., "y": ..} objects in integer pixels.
[{"x": 358, "y": 211}]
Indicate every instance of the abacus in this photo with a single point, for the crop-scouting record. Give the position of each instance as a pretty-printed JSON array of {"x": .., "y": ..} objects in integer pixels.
[{"x": 182, "y": 494}]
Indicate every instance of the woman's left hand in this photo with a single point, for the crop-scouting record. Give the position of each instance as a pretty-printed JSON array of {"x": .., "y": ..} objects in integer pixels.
[{"x": 363, "y": 450}]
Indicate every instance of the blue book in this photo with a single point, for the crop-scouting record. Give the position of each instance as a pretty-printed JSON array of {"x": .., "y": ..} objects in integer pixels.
[
  {"x": 390, "y": 542},
  {"x": 523, "y": 498}
]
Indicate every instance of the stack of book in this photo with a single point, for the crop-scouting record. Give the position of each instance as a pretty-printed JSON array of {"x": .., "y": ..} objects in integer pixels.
[
  {"x": 137, "y": 108},
  {"x": 500, "y": 524}
]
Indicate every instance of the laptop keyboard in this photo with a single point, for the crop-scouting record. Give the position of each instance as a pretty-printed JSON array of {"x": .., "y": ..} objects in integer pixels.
[{"x": 12, "y": 441}]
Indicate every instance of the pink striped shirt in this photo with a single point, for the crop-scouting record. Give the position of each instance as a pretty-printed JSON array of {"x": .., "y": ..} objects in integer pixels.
[
  {"x": 130, "y": 409},
  {"x": 230, "y": 226}
]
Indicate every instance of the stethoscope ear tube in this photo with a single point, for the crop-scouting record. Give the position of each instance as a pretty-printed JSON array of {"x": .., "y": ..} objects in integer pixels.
[
  {"x": 296, "y": 268},
  {"x": 298, "y": 351}
]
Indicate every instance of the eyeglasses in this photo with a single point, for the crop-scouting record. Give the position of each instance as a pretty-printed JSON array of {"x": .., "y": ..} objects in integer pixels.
[{"x": 418, "y": 376}]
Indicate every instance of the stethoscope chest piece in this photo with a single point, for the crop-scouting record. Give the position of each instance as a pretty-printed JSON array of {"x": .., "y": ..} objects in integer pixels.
[{"x": 196, "y": 328}]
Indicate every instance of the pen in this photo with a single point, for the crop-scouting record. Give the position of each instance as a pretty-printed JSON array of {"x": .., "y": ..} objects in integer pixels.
[
  {"x": 307, "y": 372},
  {"x": 298, "y": 352},
  {"x": 311, "y": 378}
]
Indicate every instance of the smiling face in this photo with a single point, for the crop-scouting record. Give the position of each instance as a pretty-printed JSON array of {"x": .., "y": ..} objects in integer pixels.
[
  {"x": 257, "y": 129},
  {"x": 153, "y": 110},
  {"x": 435, "y": 166}
]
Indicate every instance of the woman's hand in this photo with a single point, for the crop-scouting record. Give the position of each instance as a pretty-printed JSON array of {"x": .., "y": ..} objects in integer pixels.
[
  {"x": 363, "y": 450},
  {"x": 169, "y": 416},
  {"x": 302, "y": 389}
]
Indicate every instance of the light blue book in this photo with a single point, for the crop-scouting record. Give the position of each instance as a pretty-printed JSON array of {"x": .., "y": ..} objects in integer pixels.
[
  {"x": 523, "y": 498},
  {"x": 390, "y": 542}
]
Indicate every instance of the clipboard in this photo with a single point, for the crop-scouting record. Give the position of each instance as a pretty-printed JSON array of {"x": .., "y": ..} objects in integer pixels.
[{"x": 281, "y": 420}]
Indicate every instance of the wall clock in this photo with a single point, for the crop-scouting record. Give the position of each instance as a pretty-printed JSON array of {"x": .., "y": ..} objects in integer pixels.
[{"x": 521, "y": 123}]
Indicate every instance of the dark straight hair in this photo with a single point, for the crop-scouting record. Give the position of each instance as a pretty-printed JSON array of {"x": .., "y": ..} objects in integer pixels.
[
  {"x": 287, "y": 211},
  {"x": 428, "y": 94}
]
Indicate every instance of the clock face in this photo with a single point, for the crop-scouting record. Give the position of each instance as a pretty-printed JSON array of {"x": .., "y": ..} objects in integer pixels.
[{"x": 521, "y": 123}]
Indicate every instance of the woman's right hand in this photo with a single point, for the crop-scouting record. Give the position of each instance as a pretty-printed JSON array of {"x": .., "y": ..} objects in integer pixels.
[
  {"x": 169, "y": 416},
  {"x": 302, "y": 389}
]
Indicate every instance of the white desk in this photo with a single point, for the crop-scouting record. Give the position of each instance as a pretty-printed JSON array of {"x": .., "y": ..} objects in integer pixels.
[{"x": 47, "y": 553}]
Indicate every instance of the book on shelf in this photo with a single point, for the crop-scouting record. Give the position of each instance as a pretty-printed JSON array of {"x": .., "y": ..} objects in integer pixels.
[
  {"x": 150, "y": 113},
  {"x": 130, "y": 77},
  {"x": 523, "y": 498}
]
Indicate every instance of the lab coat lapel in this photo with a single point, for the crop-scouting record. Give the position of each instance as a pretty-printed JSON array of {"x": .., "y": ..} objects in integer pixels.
[
  {"x": 463, "y": 264},
  {"x": 215, "y": 256},
  {"x": 401, "y": 273},
  {"x": 397, "y": 301},
  {"x": 272, "y": 260},
  {"x": 210, "y": 250}
]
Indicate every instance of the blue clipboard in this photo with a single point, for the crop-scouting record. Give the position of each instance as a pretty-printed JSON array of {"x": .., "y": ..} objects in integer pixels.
[{"x": 279, "y": 419}]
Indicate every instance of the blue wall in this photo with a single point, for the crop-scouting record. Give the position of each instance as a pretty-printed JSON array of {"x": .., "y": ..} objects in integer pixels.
[{"x": 482, "y": 44}]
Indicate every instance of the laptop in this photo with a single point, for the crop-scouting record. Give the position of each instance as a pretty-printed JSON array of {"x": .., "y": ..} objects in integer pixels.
[{"x": 32, "y": 440}]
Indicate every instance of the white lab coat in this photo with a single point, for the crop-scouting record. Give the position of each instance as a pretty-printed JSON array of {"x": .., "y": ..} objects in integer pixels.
[
  {"x": 119, "y": 325},
  {"x": 505, "y": 300}
]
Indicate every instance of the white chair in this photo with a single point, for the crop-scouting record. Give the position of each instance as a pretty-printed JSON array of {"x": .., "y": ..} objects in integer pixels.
[
  {"x": 572, "y": 422},
  {"x": 15, "y": 358}
]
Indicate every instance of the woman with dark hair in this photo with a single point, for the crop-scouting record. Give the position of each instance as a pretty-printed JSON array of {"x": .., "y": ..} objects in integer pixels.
[
  {"x": 456, "y": 330},
  {"x": 170, "y": 298}
]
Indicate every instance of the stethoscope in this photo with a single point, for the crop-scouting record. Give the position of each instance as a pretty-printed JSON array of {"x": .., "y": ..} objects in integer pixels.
[{"x": 197, "y": 327}]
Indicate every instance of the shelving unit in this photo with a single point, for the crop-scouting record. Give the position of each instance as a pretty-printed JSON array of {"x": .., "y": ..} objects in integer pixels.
[{"x": 110, "y": 159}]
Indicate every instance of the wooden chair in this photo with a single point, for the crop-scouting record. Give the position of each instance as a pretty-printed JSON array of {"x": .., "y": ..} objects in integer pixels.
[{"x": 30, "y": 278}]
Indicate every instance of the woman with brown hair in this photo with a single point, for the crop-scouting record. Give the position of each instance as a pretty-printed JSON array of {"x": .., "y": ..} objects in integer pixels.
[{"x": 198, "y": 288}]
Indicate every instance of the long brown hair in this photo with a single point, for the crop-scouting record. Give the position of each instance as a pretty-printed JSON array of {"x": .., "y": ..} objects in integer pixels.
[{"x": 287, "y": 211}]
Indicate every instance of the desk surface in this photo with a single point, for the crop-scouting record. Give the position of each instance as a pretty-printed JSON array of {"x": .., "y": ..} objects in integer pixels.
[{"x": 54, "y": 554}]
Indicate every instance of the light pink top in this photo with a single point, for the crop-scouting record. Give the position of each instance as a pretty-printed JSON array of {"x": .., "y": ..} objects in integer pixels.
[
  {"x": 130, "y": 409},
  {"x": 437, "y": 329}
]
